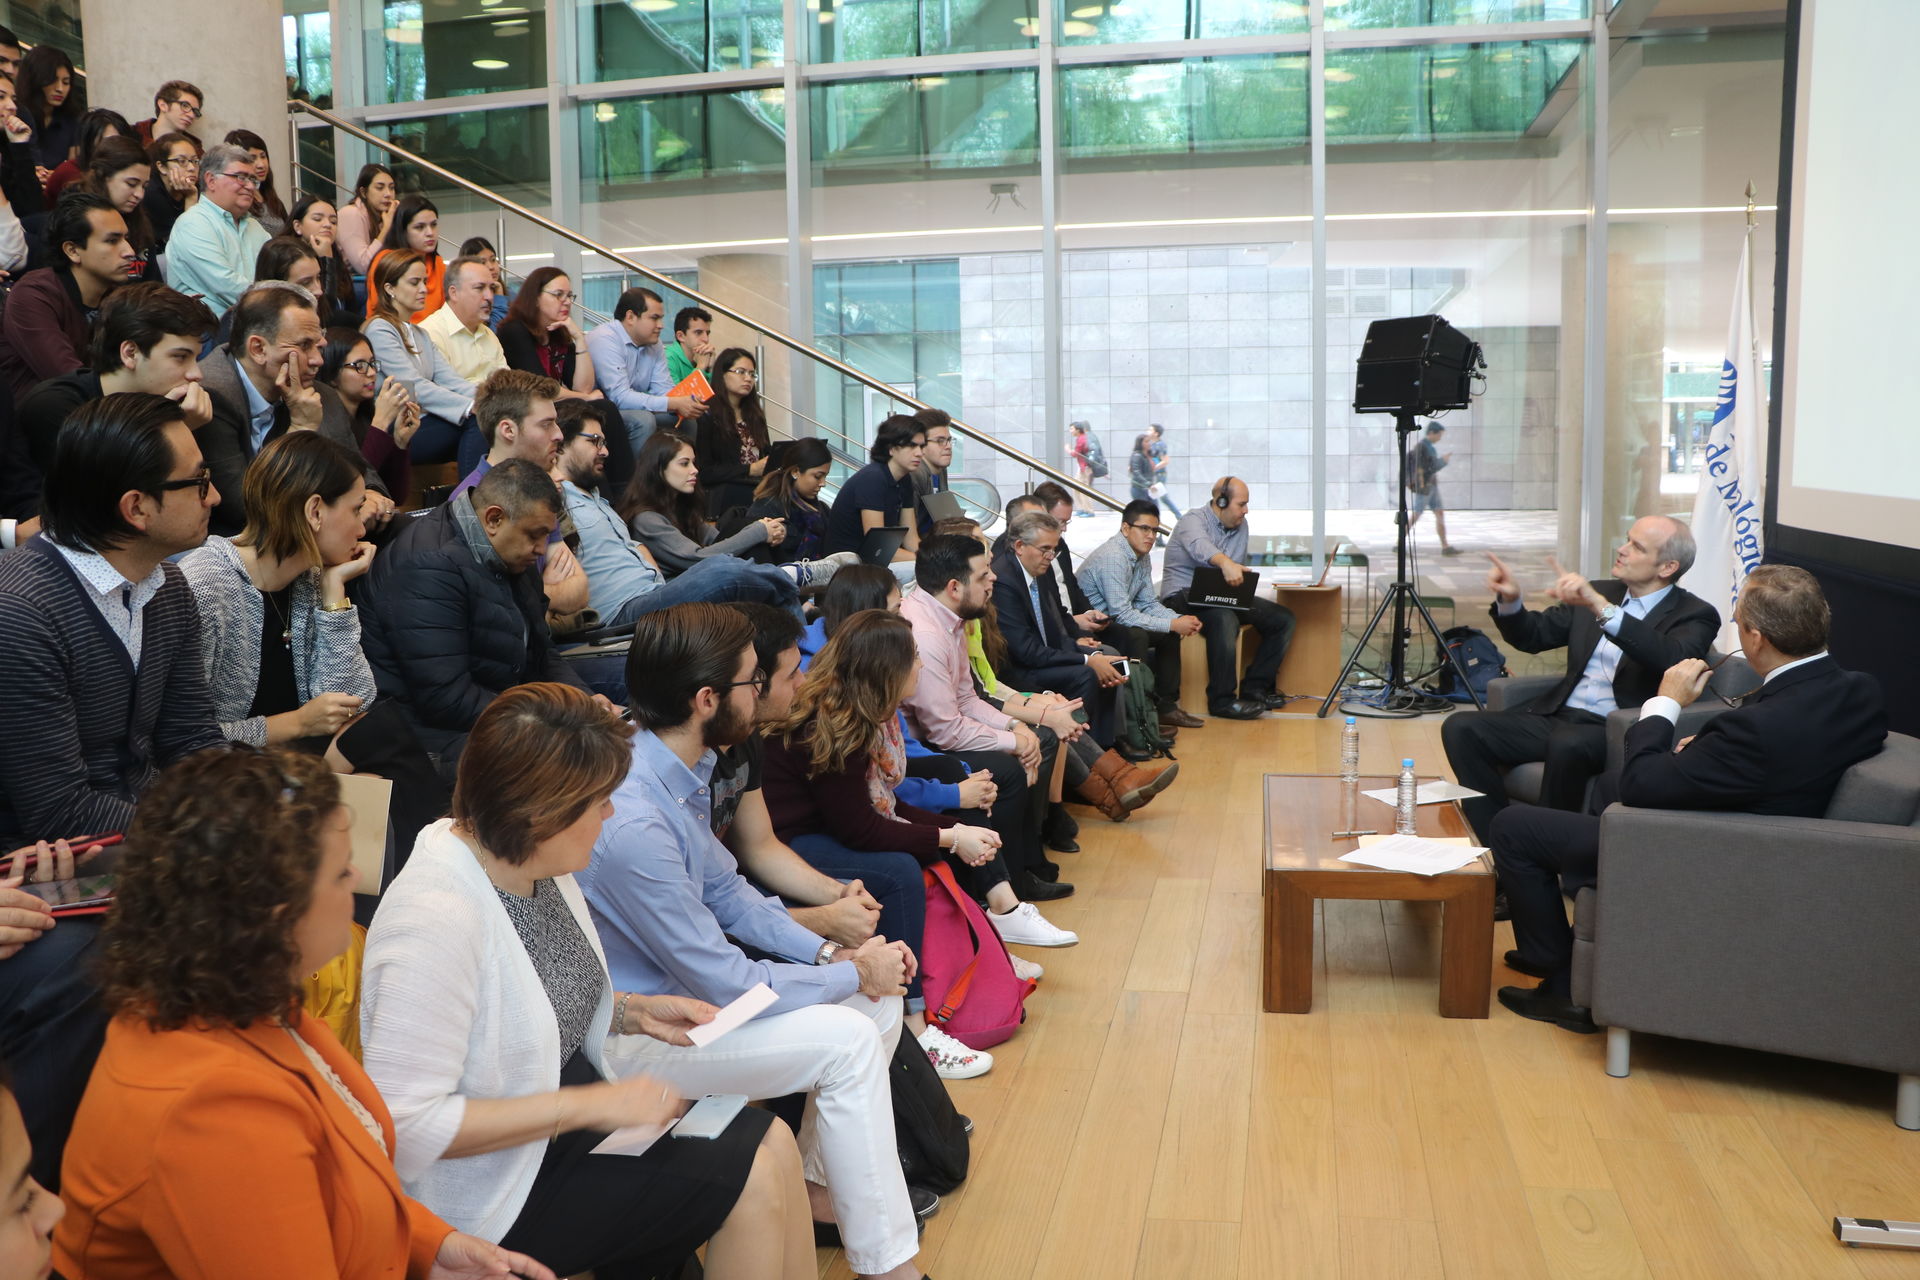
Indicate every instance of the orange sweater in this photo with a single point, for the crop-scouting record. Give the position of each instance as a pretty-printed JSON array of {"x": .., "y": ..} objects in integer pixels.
[
  {"x": 436, "y": 286},
  {"x": 208, "y": 1154}
]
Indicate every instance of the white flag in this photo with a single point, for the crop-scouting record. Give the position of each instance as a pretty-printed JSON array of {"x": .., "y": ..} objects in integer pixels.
[{"x": 1727, "y": 509}]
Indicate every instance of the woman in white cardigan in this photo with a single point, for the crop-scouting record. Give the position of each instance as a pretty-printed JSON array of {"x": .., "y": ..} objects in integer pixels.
[
  {"x": 485, "y": 1015},
  {"x": 402, "y": 349}
]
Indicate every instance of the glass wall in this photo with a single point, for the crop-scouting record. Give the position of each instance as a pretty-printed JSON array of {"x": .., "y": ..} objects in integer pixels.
[{"x": 425, "y": 49}]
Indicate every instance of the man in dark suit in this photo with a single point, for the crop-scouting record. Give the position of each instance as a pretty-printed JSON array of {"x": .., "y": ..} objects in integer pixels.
[
  {"x": 1045, "y": 648},
  {"x": 1619, "y": 637},
  {"x": 1781, "y": 751}
]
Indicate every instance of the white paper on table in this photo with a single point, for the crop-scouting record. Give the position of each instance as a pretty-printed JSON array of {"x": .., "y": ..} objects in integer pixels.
[
  {"x": 633, "y": 1140},
  {"x": 1429, "y": 793},
  {"x": 737, "y": 1013},
  {"x": 1417, "y": 854}
]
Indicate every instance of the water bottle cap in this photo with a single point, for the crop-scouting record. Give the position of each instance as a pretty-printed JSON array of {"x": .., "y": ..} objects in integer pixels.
[
  {"x": 1349, "y": 719},
  {"x": 1406, "y": 764}
]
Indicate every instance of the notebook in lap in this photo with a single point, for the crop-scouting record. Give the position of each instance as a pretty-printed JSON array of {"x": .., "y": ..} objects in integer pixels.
[
  {"x": 880, "y": 543},
  {"x": 1209, "y": 589}
]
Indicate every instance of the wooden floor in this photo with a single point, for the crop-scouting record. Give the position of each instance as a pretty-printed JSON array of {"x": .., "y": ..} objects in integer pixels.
[{"x": 1150, "y": 1121}]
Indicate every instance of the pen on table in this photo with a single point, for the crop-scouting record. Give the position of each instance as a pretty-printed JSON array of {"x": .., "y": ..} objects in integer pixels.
[{"x": 1346, "y": 835}]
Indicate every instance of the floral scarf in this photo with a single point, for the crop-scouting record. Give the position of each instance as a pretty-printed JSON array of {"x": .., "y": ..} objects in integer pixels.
[{"x": 886, "y": 767}]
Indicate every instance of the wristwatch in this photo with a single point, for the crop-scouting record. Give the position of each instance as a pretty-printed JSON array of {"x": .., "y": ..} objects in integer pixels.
[
  {"x": 826, "y": 953},
  {"x": 1608, "y": 614}
]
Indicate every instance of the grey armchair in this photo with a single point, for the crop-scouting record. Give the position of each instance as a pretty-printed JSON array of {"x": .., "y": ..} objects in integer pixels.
[{"x": 1792, "y": 935}]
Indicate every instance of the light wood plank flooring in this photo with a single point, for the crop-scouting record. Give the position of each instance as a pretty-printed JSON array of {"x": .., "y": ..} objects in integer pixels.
[{"x": 1150, "y": 1121}]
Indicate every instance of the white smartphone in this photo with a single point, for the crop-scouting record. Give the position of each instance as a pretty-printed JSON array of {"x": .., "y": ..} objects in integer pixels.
[{"x": 710, "y": 1116}]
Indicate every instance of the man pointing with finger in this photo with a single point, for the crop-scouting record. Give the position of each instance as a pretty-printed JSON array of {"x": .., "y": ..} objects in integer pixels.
[{"x": 1620, "y": 636}]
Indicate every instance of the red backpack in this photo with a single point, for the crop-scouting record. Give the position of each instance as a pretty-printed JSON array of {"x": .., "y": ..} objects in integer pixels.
[{"x": 965, "y": 972}]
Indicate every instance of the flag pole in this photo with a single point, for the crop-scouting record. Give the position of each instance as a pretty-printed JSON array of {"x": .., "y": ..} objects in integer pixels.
[{"x": 1753, "y": 329}]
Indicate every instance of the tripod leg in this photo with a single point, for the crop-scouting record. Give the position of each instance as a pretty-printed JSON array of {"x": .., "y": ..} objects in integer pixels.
[
  {"x": 1346, "y": 672},
  {"x": 1453, "y": 659}
]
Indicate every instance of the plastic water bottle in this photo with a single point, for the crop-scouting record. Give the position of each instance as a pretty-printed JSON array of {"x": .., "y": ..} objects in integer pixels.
[
  {"x": 1350, "y": 751},
  {"x": 1408, "y": 796}
]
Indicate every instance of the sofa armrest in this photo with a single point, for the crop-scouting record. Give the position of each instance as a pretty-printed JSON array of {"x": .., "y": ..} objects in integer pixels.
[
  {"x": 1513, "y": 693},
  {"x": 1792, "y": 935},
  {"x": 1691, "y": 718}
]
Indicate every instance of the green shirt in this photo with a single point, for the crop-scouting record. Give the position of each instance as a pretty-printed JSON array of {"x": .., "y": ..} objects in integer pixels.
[{"x": 679, "y": 365}]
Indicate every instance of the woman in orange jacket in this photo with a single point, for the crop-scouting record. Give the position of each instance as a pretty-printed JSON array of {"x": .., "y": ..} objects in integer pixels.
[{"x": 225, "y": 1132}]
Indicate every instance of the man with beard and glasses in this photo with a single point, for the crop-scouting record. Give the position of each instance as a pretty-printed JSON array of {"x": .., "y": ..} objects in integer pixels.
[
  {"x": 625, "y": 580},
  {"x": 668, "y": 900}
]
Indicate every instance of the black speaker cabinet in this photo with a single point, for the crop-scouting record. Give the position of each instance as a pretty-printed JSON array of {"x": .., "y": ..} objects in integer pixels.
[{"x": 1414, "y": 364}]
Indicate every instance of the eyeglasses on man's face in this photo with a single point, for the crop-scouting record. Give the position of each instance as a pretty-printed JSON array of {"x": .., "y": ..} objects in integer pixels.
[
  {"x": 244, "y": 179},
  {"x": 186, "y": 108},
  {"x": 759, "y": 684},
  {"x": 1045, "y": 552},
  {"x": 598, "y": 441},
  {"x": 1145, "y": 528},
  {"x": 203, "y": 482}
]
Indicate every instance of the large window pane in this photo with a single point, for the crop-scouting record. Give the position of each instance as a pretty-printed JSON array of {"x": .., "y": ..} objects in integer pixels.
[
  {"x": 1143, "y": 113},
  {"x": 900, "y": 130},
  {"x": 631, "y": 39},
  {"x": 1128, "y": 21},
  {"x": 505, "y": 150},
  {"x": 1443, "y": 91},
  {"x": 307, "y": 31},
  {"x": 856, "y": 30},
  {"x": 1448, "y": 13},
  {"x": 451, "y": 47},
  {"x": 738, "y": 139},
  {"x": 898, "y": 321}
]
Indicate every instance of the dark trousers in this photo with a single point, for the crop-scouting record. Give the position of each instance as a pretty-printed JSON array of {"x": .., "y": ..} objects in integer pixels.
[
  {"x": 1018, "y": 811},
  {"x": 52, "y": 1025},
  {"x": 1221, "y": 630},
  {"x": 1483, "y": 745},
  {"x": 440, "y": 440},
  {"x": 1538, "y": 854},
  {"x": 1159, "y": 651},
  {"x": 1075, "y": 680},
  {"x": 893, "y": 879}
]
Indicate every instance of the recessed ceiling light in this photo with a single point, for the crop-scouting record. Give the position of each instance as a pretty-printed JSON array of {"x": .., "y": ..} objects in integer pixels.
[
  {"x": 605, "y": 113},
  {"x": 403, "y": 35},
  {"x": 929, "y": 82},
  {"x": 1336, "y": 112},
  {"x": 1071, "y": 28},
  {"x": 656, "y": 6},
  {"x": 1338, "y": 75},
  {"x": 1090, "y": 11},
  {"x": 490, "y": 64}
]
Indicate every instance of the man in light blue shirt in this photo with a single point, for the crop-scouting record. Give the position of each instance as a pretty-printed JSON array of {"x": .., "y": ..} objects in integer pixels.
[
  {"x": 667, "y": 897},
  {"x": 1117, "y": 577},
  {"x": 630, "y": 366},
  {"x": 215, "y": 244},
  {"x": 625, "y": 582},
  {"x": 1216, "y": 534}
]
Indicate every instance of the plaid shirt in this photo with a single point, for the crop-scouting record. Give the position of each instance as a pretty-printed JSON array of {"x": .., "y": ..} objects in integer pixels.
[{"x": 1120, "y": 585}]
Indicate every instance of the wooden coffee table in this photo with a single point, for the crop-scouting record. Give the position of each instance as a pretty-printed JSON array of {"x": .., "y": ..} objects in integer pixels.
[{"x": 1303, "y": 865}]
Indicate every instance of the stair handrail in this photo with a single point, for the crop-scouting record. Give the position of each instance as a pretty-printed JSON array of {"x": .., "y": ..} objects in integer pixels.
[{"x": 793, "y": 344}]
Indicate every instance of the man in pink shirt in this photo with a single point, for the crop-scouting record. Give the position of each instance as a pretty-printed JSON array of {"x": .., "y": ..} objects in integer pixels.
[{"x": 947, "y": 711}]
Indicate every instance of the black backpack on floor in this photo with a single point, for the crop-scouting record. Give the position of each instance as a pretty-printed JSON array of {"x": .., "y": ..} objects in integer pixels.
[{"x": 927, "y": 1128}]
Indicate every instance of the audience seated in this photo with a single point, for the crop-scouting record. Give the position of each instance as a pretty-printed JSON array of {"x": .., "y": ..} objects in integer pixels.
[
  {"x": 1780, "y": 752},
  {"x": 29, "y": 1212},
  {"x": 668, "y": 899},
  {"x": 692, "y": 345},
  {"x": 624, "y": 578},
  {"x": 213, "y": 245},
  {"x": 482, "y": 248},
  {"x": 415, "y": 226},
  {"x": 666, "y": 509},
  {"x": 395, "y": 290},
  {"x": 453, "y": 611},
  {"x": 289, "y": 260},
  {"x": 383, "y": 422},
  {"x": 1045, "y": 647},
  {"x": 271, "y": 212},
  {"x": 631, "y": 368},
  {"x": 789, "y": 491},
  {"x": 225, "y": 1131},
  {"x": 315, "y": 221},
  {"x": 540, "y": 335},
  {"x": 931, "y": 475},
  {"x": 120, "y": 171},
  {"x": 260, "y": 386},
  {"x": 730, "y": 439},
  {"x": 1118, "y": 578},
  {"x": 96, "y": 126},
  {"x": 1216, "y": 534},
  {"x": 14, "y": 252},
  {"x": 1620, "y": 636},
  {"x": 946, "y": 711},
  {"x": 176, "y": 105},
  {"x": 147, "y": 338},
  {"x": 280, "y": 638},
  {"x": 46, "y": 331},
  {"x": 460, "y": 328},
  {"x": 365, "y": 218},
  {"x": 488, "y": 1016},
  {"x": 877, "y": 494},
  {"x": 46, "y": 88},
  {"x": 175, "y": 187},
  {"x": 19, "y": 179}
]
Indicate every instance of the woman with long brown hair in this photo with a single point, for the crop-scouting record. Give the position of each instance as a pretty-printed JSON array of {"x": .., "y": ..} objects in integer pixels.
[
  {"x": 364, "y": 219},
  {"x": 44, "y": 87},
  {"x": 119, "y": 169},
  {"x": 730, "y": 441},
  {"x": 96, "y": 126},
  {"x": 395, "y": 291},
  {"x": 415, "y": 227},
  {"x": 540, "y": 334},
  {"x": 666, "y": 509},
  {"x": 315, "y": 220},
  {"x": 175, "y": 187}
]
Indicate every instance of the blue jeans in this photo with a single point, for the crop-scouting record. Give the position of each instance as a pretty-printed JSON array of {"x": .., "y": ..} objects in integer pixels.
[
  {"x": 895, "y": 881},
  {"x": 642, "y": 423},
  {"x": 439, "y": 440},
  {"x": 715, "y": 580}
]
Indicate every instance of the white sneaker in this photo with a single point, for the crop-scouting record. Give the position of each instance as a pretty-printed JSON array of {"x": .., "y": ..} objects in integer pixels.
[
  {"x": 951, "y": 1059},
  {"x": 1025, "y": 926},
  {"x": 1025, "y": 970}
]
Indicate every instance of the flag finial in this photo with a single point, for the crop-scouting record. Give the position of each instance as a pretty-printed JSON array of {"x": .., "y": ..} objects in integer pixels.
[{"x": 1752, "y": 218}]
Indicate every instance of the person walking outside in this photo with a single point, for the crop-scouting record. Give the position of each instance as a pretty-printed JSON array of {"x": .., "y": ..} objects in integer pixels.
[{"x": 1424, "y": 465}]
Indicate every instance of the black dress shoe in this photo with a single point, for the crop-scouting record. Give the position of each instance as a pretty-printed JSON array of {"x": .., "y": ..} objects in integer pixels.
[
  {"x": 1175, "y": 717},
  {"x": 1501, "y": 912},
  {"x": 1046, "y": 891},
  {"x": 1238, "y": 709},
  {"x": 1543, "y": 1005},
  {"x": 1272, "y": 699},
  {"x": 1134, "y": 757},
  {"x": 1063, "y": 844},
  {"x": 1047, "y": 871},
  {"x": 1520, "y": 964}
]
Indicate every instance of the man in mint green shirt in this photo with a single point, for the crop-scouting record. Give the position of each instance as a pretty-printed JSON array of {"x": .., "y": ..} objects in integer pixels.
[{"x": 692, "y": 343}]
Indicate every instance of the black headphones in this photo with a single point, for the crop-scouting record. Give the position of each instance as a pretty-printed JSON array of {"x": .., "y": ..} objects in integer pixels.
[{"x": 1223, "y": 493}]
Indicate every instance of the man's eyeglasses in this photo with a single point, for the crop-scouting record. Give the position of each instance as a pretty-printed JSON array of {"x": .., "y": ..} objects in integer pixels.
[
  {"x": 759, "y": 683},
  {"x": 365, "y": 368},
  {"x": 565, "y": 295},
  {"x": 1047, "y": 553},
  {"x": 202, "y": 482},
  {"x": 244, "y": 179},
  {"x": 592, "y": 438},
  {"x": 186, "y": 107},
  {"x": 934, "y": 440},
  {"x": 1150, "y": 528}
]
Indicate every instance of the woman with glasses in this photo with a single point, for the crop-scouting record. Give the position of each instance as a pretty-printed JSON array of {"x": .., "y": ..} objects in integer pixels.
[
  {"x": 416, "y": 227},
  {"x": 44, "y": 88},
  {"x": 540, "y": 334},
  {"x": 176, "y": 182},
  {"x": 315, "y": 221},
  {"x": 96, "y": 126},
  {"x": 482, "y": 248},
  {"x": 364, "y": 219},
  {"x": 405, "y": 352},
  {"x": 730, "y": 440},
  {"x": 119, "y": 170},
  {"x": 225, "y": 1131},
  {"x": 383, "y": 413},
  {"x": 268, "y": 208}
]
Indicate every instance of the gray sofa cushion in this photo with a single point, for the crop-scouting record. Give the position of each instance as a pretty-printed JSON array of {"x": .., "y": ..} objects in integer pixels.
[{"x": 1884, "y": 788}]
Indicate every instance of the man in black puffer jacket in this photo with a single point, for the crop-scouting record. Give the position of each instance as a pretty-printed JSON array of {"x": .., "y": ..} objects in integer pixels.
[{"x": 453, "y": 611}]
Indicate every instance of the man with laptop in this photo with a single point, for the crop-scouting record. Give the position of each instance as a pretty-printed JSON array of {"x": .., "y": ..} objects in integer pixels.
[{"x": 1205, "y": 575}]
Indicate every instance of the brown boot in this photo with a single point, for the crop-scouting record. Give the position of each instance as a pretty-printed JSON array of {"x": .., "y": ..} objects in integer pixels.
[
  {"x": 1102, "y": 790},
  {"x": 1140, "y": 783}
]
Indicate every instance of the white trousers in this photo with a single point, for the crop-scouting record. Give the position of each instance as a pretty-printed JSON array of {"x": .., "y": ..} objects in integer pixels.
[{"x": 838, "y": 1055}]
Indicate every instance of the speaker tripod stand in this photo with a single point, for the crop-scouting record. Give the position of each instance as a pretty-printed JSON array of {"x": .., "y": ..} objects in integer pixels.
[{"x": 1399, "y": 697}]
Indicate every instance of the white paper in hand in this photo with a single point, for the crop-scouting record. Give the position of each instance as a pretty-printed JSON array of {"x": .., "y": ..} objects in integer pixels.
[
  {"x": 737, "y": 1013},
  {"x": 630, "y": 1141}
]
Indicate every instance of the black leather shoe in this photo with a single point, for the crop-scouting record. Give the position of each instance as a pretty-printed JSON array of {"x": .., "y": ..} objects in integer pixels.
[
  {"x": 1063, "y": 844},
  {"x": 1238, "y": 709},
  {"x": 1175, "y": 717},
  {"x": 1519, "y": 964},
  {"x": 1501, "y": 912},
  {"x": 1134, "y": 757},
  {"x": 1047, "y": 871},
  {"x": 1272, "y": 700},
  {"x": 1043, "y": 891},
  {"x": 925, "y": 1203},
  {"x": 1543, "y": 1005}
]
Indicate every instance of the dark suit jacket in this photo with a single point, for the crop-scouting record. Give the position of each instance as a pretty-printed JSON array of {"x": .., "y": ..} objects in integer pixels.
[
  {"x": 1681, "y": 626},
  {"x": 1781, "y": 751},
  {"x": 227, "y": 441},
  {"x": 1027, "y": 647}
]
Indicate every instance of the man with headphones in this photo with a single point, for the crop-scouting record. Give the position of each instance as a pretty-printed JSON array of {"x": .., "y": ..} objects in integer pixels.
[{"x": 1216, "y": 534}]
